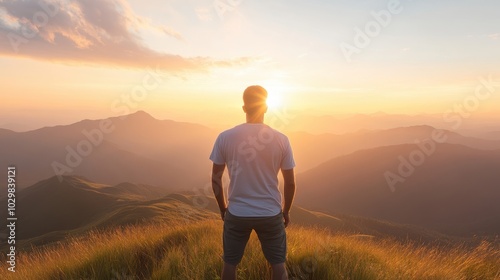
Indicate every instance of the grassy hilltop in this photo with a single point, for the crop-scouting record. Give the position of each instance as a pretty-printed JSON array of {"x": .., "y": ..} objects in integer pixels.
[{"x": 193, "y": 251}]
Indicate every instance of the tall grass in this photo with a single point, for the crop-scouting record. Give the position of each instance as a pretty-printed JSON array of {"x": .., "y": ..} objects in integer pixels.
[{"x": 179, "y": 251}]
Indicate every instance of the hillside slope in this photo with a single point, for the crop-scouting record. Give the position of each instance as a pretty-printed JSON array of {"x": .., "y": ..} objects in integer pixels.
[
  {"x": 53, "y": 205},
  {"x": 193, "y": 251},
  {"x": 455, "y": 190},
  {"x": 77, "y": 205}
]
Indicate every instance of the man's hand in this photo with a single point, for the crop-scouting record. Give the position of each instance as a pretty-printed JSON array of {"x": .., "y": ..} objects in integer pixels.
[
  {"x": 223, "y": 213},
  {"x": 289, "y": 188},
  {"x": 286, "y": 217}
]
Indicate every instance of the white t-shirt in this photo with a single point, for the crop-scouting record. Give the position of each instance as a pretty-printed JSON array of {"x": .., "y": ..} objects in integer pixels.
[{"x": 254, "y": 154}]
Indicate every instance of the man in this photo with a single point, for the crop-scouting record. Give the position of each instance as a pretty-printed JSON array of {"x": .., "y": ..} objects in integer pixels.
[{"x": 254, "y": 154}]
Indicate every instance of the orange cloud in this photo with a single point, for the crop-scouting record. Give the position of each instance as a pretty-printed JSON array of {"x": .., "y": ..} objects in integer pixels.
[{"x": 88, "y": 31}]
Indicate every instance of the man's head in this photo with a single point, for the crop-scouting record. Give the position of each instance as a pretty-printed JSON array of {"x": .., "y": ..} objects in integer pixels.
[{"x": 254, "y": 100}]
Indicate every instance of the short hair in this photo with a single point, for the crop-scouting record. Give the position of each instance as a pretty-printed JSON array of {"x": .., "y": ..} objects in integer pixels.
[{"x": 254, "y": 99}]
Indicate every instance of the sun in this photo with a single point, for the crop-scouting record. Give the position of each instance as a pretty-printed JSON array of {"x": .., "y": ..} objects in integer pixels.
[
  {"x": 275, "y": 101},
  {"x": 278, "y": 95}
]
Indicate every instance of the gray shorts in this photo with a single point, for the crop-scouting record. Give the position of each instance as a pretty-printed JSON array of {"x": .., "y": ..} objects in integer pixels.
[{"x": 270, "y": 230}]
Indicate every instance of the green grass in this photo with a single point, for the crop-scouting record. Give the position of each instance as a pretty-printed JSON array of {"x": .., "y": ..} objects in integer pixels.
[{"x": 181, "y": 251}]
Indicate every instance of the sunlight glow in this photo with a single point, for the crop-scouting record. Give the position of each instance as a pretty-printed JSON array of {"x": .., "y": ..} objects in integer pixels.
[
  {"x": 276, "y": 95},
  {"x": 275, "y": 101}
]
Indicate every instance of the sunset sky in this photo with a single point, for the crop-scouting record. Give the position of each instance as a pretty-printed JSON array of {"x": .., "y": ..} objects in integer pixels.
[{"x": 63, "y": 61}]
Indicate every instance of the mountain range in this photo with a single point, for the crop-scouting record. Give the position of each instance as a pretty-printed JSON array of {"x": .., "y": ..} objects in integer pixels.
[
  {"x": 454, "y": 190},
  {"x": 139, "y": 148},
  {"x": 478, "y": 125},
  {"x": 134, "y": 148},
  {"x": 138, "y": 160},
  {"x": 312, "y": 150}
]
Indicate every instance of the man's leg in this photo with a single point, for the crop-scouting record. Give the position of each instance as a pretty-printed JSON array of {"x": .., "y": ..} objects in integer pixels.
[
  {"x": 279, "y": 271},
  {"x": 229, "y": 272},
  {"x": 234, "y": 238},
  {"x": 272, "y": 236}
]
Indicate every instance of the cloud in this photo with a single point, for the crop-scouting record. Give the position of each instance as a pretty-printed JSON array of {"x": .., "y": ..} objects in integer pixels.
[
  {"x": 495, "y": 36},
  {"x": 204, "y": 14},
  {"x": 102, "y": 32}
]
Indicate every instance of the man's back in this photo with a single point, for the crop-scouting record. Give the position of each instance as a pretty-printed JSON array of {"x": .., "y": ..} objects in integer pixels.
[{"x": 254, "y": 154}]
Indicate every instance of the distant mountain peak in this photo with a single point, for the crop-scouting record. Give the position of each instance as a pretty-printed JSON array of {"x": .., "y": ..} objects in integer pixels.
[
  {"x": 378, "y": 114},
  {"x": 415, "y": 127},
  {"x": 67, "y": 180},
  {"x": 4, "y": 131},
  {"x": 141, "y": 115}
]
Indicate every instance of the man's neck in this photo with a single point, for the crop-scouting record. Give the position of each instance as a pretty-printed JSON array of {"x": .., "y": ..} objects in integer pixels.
[{"x": 255, "y": 120}]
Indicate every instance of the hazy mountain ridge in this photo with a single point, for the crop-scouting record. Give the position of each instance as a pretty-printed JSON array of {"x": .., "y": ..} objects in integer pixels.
[
  {"x": 139, "y": 148},
  {"x": 347, "y": 124},
  {"x": 455, "y": 190},
  {"x": 5, "y": 132},
  {"x": 52, "y": 209},
  {"x": 312, "y": 150},
  {"x": 135, "y": 148},
  {"x": 494, "y": 135},
  {"x": 53, "y": 205}
]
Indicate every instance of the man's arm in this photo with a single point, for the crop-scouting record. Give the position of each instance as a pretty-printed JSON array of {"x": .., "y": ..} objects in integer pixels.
[
  {"x": 289, "y": 189},
  {"x": 217, "y": 172}
]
